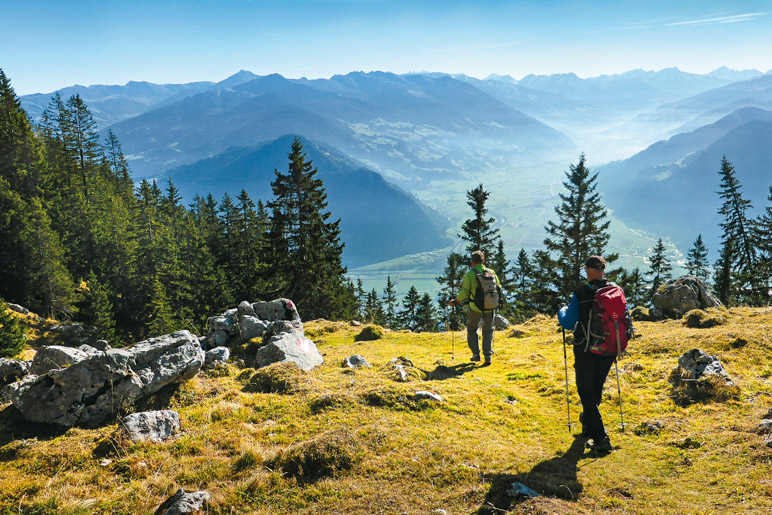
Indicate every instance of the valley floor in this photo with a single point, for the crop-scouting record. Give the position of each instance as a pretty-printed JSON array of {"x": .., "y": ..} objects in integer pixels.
[{"x": 337, "y": 440}]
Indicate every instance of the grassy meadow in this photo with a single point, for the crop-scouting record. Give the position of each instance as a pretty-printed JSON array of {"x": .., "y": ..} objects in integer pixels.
[{"x": 336, "y": 440}]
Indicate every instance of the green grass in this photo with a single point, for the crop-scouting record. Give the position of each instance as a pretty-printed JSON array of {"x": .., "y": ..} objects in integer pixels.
[{"x": 344, "y": 441}]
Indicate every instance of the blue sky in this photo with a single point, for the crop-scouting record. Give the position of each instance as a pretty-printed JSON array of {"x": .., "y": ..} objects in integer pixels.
[{"x": 47, "y": 45}]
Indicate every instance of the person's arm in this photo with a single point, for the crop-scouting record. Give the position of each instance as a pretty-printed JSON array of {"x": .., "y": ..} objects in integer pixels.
[
  {"x": 568, "y": 316},
  {"x": 466, "y": 288}
]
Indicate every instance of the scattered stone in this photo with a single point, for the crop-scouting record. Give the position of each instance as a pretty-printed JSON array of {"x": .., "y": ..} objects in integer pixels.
[
  {"x": 55, "y": 357},
  {"x": 12, "y": 369},
  {"x": 439, "y": 511},
  {"x": 155, "y": 426},
  {"x": 216, "y": 356},
  {"x": 768, "y": 441},
  {"x": 369, "y": 333},
  {"x": 641, "y": 313},
  {"x": 764, "y": 427},
  {"x": 701, "y": 377},
  {"x": 289, "y": 346},
  {"x": 652, "y": 427},
  {"x": 517, "y": 333},
  {"x": 500, "y": 323},
  {"x": 428, "y": 396},
  {"x": 701, "y": 319},
  {"x": 696, "y": 364},
  {"x": 251, "y": 327},
  {"x": 356, "y": 323},
  {"x": 246, "y": 309},
  {"x": 356, "y": 361},
  {"x": 19, "y": 309},
  {"x": 679, "y": 296},
  {"x": 520, "y": 491},
  {"x": 102, "y": 345},
  {"x": 182, "y": 502},
  {"x": 86, "y": 393},
  {"x": 401, "y": 369},
  {"x": 218, "y": 338}
]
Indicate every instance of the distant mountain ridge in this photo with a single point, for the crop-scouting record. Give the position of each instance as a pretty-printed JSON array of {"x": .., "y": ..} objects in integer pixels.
[{"x": 379, "y": 221}]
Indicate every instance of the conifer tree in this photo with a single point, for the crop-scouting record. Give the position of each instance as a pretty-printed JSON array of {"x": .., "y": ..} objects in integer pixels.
[
  {"x": 12, "y": 333},
  {"x": 738, "y": 228},
  {"x": 478, "y": 231},
  {"x": 309, "y": 262},
  {"x": 361, "y": 298},
  {"x": 160, "y": 317},
  {"x": 634, "y": 286},
  {"x": 724, "y": 278},
  {"x": 659, "y": 267},
  {"x": 390, "y": 301},
  {"x": 543, "y": 294},
  {"x": 521, "y": 270},
  {"x": 697, "y": 259},
  {"x": 451, "y": 280},
  {"x": 581, "y": 229},
  {"x": 426, "y": 315},
  {"x": 97, "y": 310},
  {"x": 763, "y": 236},
  {"x": 408, "y": 316},
  {"x": 374, "y": 309}
]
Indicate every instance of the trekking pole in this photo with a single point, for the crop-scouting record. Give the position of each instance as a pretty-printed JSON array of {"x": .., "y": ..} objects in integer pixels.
[{"x": 565, "y": 366}]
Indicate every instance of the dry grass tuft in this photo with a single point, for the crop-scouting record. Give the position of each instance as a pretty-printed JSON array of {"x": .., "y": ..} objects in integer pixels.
[
  {"x": 701, "y": 319},
  {"x": 285, "y": 377},
  {"x": 322, "y": 456},
  {"x": 369, "y": 333}
]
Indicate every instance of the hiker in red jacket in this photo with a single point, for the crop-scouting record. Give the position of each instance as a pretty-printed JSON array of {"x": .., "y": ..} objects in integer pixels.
[{"x": 592, "y": 361}]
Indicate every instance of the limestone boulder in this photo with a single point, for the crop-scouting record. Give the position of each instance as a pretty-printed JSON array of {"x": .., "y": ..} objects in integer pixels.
[
  {"x": 500, "y": 323},
  {"x": 675, "y": 298},
  {"x": 56, "y": 356},
  {"x": 182, "y": 502},
  {"x": 155, "y": 426},
  {"x": 12, "y": 369},
  {"x": 356, "y": 361},
  {"x": 88, "y": 392},
  {"x": 216, "y": 356},
  {"x": 289, "y": 346}
]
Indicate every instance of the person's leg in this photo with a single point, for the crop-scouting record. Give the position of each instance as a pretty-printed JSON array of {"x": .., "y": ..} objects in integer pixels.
[
  {"x": 585, "y": 365},
  {"x": 487, "y": 335},
  {"x": 472, "y": 322},
  {"x": 602, "y": 369}
]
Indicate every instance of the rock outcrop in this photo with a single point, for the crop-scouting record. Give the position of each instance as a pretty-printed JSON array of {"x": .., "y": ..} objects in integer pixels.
[
  {"x": 289, "y": 346},
  {"x": 182, "y": 502},
  {"x": 674, "y": 298},
  {"x": 249, "y": 321},
  {"x": 89, "y": 391},
  {"x": 154, "y": 426}
]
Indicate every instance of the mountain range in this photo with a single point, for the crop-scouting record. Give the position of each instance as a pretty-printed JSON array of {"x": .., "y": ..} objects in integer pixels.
[{"x": 379, "y": 221}]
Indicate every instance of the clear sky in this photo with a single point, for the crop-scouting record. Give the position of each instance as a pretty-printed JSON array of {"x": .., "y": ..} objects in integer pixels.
[{"x": 47, "y": 45}]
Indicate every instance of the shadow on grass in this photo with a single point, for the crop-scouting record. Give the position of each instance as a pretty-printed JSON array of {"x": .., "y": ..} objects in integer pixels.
[
  {"x": 443, "y": 372},
  {"x": 13, "y": 426},
  {"x": 555, "y": 477}
]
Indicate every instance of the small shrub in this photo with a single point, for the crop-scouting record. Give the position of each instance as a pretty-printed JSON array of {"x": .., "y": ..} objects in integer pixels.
[
  {"x": 283, "y": 377},
  {"x": 331, "y": 401},
  {"x": 369, "y": 333},
  {"x": 325, "y": 455},
  {"x": 641, "y": 313},
  {"x": 700, "y": 319}
]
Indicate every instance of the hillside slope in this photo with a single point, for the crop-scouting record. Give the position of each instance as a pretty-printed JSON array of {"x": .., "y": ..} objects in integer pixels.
[{"x": 368, "y": 447}]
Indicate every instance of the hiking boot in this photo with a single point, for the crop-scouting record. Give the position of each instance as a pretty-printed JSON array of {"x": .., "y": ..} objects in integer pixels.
[
  {"x": 487, "y": 362},
  {"x": 475, "y": 357},
  {"x": 601, "y": 446}
]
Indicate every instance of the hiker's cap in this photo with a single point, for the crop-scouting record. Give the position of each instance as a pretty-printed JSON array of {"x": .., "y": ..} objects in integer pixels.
[{"x": 595, "y": 262}]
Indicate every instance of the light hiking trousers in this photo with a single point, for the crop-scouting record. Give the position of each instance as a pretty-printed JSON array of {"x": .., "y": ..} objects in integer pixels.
[{"x": 472, "y": 323}]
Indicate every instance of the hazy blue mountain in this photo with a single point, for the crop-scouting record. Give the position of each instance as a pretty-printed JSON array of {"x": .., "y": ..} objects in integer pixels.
[
  {"x": 111, "y": 104},
  {"x": 379, "y": 221},
  {"x": 734, "y": 75},
  {"x": 678, "y": 199},
  {"x": 707, "y": 107},
  {"x": 411, "y": 128},
  {"x": 632, "y": 90}
]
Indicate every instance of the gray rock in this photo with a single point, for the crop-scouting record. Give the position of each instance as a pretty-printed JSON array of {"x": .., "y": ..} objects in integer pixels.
[
  {"x": 356, "y": 323},
  {"x": 5, "y": 394},
  {"x": 101, "y": 345},
  {"x": 155, "y": 426},
  {"x": 251, "y": 327},
  {"x": 88, "y": 392},
  {"x": 217, "y": 356},
  {"x": 182, "y": 502},
  {"x": 428, "y": 396},
  {"x": 289, "y": 346},
  {"x": 686, "y": 293},
  {"x": 246, "y": 309},
  {"x": 764, "y": 427},
  {"x": 769, "y": 413},
  {"x": 500, "y": 323},
  {"x": 696, "y": 364},
  {"x": 88, "y": 350},
  {"x": 12, "y": 369},
  {"x": 18, "y": 309},
  {"x": 279, "y": 309},
  {"x": 56, "y": 356},
  {"x": 356, "y": 361},
  {"x": 401, "y": 367},
  {"x": 768, "y": 441},
  {"x": 218, "y": 339}
]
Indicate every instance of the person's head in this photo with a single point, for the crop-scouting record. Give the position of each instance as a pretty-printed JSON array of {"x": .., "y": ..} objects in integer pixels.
[
  {"x": 595, "y": 268},
  {"x": 478, "y": 258}
]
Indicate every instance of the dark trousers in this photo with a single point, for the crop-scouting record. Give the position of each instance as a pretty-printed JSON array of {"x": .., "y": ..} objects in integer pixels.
[{"x": 591, "y": 372}]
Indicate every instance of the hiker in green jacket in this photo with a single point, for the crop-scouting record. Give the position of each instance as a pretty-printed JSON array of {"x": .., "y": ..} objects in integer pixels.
[{"x": 483, "y": 289}]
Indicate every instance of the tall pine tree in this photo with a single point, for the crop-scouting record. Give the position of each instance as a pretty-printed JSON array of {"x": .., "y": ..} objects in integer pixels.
[
  {"x": 478, "y": 231},
  {"x": 659, "y": 267},
  {"x": 697, "y": 259}
]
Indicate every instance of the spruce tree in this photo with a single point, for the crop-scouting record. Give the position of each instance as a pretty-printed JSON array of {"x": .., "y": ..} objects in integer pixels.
[
  {"x": 697, "y": 259},
  {"x": 374, "y": 309},
  {"x": 451, "y": 280},
  {"x": 408, "y": 316},
  {"x": 724, "y": 276},
  {"x": 581, "y": 229},
  {"x": 309, "y": 263},
  {"x": 634, "y": 286},
  {"x": 12, "y": 333},
  {"x": 426, "y": 315},
  {"x": 659, "y": 267},
  {"x": 390, "y": 301},
  {"x": 97, "y": 310},
  {"x": 763, "y": 236},
  {"x": 521, "y": 270},
  {"x": 737, "y": 228},
  {"x": 478, "y": 231}
]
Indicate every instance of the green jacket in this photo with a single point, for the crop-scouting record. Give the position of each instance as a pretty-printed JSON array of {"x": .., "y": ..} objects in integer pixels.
[{"x": 469, "y": 287}]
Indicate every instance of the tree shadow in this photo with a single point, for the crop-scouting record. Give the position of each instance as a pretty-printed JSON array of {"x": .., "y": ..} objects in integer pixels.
[
  {"x": 442, "y": 372},
  {"x": 555, "y": 477}
]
